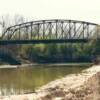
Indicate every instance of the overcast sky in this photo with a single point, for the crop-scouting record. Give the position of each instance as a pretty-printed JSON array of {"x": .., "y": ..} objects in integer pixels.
[{"x": 87, "y": 10}]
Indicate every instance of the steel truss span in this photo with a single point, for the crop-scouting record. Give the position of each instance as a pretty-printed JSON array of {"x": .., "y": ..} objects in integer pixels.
[{"x": 49, "y": 31}]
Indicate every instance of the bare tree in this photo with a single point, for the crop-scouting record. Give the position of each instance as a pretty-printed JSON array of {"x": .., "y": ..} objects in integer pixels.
[
  {"x": 4, "y": 22},
  {"x": 7, "y": 21},
  {"x": 18, "y": 19}
]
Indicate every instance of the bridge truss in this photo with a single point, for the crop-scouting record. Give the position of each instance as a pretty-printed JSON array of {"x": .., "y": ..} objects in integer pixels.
[{"x": 50, "y": 31}]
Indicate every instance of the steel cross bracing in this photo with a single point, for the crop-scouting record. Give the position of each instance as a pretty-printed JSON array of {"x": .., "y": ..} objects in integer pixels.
[{"x": 48, "y": 31}]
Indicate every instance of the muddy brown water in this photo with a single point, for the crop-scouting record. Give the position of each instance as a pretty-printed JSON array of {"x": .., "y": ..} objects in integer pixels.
[{"x": 27, "y": 79}]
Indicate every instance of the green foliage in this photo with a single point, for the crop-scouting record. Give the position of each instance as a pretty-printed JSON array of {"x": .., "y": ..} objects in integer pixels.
[
  {"x": 52, "y": 51},
  {"x": 47, "y": 52}
]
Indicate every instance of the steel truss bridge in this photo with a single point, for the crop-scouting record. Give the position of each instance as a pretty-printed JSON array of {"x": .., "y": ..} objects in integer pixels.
[{"x": 50, "y": 31}]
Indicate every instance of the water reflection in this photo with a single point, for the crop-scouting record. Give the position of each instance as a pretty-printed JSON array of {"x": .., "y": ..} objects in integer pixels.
[{"x": 23, "y": 80}]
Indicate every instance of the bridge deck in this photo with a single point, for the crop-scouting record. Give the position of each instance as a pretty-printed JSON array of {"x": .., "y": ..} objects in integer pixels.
[{"x": 7, "y": 42}]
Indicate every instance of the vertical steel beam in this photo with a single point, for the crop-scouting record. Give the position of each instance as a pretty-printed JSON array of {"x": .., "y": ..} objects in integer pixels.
[
  {"x": 19, "y": 33},
  {"x": 38, "y": 29},
  {"x": 43, "y": 29},
  {"x": 31, "y": 31},
  {"x": 66, "y": 30},
  {"x": 74, "y": 30},
  {"x": 56, "y": 29},
  {"x": 8, "y": 34},
  {"x": 82, "y": 44},
  {"x": 26, "y": 38},
  {"x": 97, "y": 32},
  {"x": 83, "y": 30},
  {"x": 50, "y": 30},
  {"x": 69, "y": 29},
  {"x": 62, "y": 30},
  {"x": 88, "y": 31}
]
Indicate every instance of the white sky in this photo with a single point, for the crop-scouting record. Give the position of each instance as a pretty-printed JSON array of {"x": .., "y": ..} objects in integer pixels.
[{"x": 87, "y": 10}]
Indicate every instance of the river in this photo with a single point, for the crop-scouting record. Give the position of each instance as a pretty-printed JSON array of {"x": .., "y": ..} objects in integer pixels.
[{"x": 26, "y": 79}]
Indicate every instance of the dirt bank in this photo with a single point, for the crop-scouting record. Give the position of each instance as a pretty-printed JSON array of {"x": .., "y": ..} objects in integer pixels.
[{"x": 83, "y": 86}]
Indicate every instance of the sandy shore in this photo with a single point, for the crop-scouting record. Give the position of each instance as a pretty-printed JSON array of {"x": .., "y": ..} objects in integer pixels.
[
  {"x": 46, "y": 64},
  {"x": 8, "y": 66}
]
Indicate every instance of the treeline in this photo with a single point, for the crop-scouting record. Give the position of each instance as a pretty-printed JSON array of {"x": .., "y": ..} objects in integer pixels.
[
  {"x": 51, "y": 53},
  {"x": 66, "y": 52}
]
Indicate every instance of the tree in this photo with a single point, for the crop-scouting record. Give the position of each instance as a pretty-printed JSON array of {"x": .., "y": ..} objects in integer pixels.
[{"x": 7, "y": 21}]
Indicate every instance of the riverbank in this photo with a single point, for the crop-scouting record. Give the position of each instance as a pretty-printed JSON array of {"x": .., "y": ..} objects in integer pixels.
[
  {"x": 46, "y": 64},
  {"x": 8, "y": 66},
  {"x": 83, "y": 86}
]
